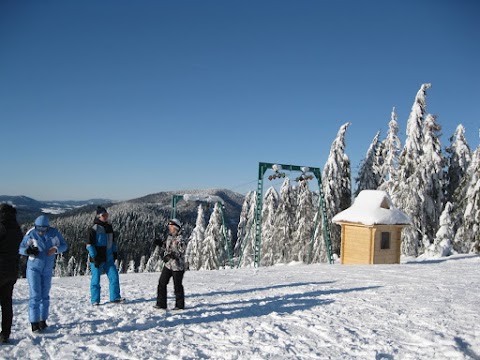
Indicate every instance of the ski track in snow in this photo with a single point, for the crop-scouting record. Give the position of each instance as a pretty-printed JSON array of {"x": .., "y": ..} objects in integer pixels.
[{"x": 418, "y": 310}]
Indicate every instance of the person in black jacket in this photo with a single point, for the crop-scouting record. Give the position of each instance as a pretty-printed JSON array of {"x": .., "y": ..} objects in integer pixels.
[
  {"x": 102, "y": 250},
  {"x": 10, "y": 238}
]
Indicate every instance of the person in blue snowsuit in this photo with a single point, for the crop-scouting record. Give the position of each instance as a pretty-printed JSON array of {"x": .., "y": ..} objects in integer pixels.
[
  {"x": 102, "y": 251},
  {"x": 41, "y": 244}
]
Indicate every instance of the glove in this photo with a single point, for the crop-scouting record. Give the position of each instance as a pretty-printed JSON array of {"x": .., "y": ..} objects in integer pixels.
[
  {"x": 96, "y": 262},
  {"x": 159, "y": 242},
  {"x": 168, "y": 257},
  {"x": 115, "y": 256},
  {"x": 32, "y": 250}
]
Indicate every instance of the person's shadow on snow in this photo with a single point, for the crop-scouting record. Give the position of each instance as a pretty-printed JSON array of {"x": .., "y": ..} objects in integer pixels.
[{"x": 285, "y": 304}]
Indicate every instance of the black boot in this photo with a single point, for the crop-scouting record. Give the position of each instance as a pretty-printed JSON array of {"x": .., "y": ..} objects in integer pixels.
[
  {"x": 4, "y": 338},
  {"x": 43, "y": 325},
  {"x": 35, "y": 326}
]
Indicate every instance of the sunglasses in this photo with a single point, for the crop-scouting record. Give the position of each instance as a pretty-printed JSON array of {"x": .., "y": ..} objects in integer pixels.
[{"x": 41, "y": 228}]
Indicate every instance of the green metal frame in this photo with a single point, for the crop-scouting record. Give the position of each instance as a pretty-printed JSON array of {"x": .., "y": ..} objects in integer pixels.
[
  {"x": 262, "y": 168},
  {"x": 177, "y": 198}
]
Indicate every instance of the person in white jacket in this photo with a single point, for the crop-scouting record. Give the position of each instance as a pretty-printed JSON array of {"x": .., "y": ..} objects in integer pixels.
[{"x": 174, "y": 266}]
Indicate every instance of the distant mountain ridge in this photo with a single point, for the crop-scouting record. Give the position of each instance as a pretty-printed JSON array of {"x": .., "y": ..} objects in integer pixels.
[{"x": 28, "y": 209}]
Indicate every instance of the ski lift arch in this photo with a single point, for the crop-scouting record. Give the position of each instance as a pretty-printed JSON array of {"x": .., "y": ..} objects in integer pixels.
[
  {"x": 307, "y": 173},
  {"x": 210, "y": 199}
]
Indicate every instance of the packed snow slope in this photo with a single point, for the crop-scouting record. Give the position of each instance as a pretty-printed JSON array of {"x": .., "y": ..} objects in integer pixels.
[{"x": 415, "y": 310}]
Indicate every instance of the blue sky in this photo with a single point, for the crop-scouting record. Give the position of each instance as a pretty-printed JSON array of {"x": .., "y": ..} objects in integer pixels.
[{"x": 119, "y": 99}]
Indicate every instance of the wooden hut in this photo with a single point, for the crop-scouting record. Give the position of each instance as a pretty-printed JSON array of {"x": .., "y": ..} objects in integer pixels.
[{"x": 371, "y": 230}]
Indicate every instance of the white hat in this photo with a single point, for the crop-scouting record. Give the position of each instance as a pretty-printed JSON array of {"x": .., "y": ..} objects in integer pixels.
[{"x": 175, "y": 222}]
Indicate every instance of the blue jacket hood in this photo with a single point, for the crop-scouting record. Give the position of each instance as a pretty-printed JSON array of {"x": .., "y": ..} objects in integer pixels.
[{"x": 42, "y": 220}]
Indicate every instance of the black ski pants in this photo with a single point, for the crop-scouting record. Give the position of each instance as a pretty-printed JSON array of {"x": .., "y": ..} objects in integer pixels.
[
  {"x": 6, "y": 292},
  {"x": 177, "y": 285}
]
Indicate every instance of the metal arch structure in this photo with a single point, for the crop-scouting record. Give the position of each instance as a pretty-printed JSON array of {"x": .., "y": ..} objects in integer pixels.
[
  {"x": 262, "y": 168},
  {"x": 208, "y": 199}
]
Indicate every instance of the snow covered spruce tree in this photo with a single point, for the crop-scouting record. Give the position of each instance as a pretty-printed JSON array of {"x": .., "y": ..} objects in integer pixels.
[
  {"x": 143, "y": 264},
  {"x": 406, "y": 195},
  {"x": 459, "y": 157},
  {"x": 336, "y": 186},
  {"x": 467, "y": 238},
  {"x": 391, "y": 153},
  {"x": 131, "y": 267},
  {"x": 193, "y": 253},
  {"x": 245, "y": 246},
  {"x": 304, "y": 221},
  {"x": 154, "y": 262},
  {"x": 442, "y": 245},
  {"x": 213, "y": 247},
  {"x": 71, "y": 267},
  {"x": 432, "y": 164},
  {"x": 369, "y": 177},
  {"x": 60, "y": 266},
  {"x": 269, "y": 247},
  {"x": 284, "y": 225}
]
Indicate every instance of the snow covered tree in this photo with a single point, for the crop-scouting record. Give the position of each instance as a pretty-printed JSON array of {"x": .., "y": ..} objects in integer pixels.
[
  {"x": 193, "y": 253},
  {"x": 391, "y": 153},
  {"x": 88, "y": 271},
  {"x": 304, "y": 221},
  {"x": 141, "y": 266},
  {"x": 78, "y": 269},
  {"x": 457, "y": 179},
  {"x": 467, "y": 238},
  {"x": 131, "y": 267},
  {"x": 458, "y": 160},
  {"x": 154, "y": 263},
  {"x": 368, "y": 176},
  {"x": 71, "y": 267},
  {"x": 269, "y": 247},
  {"x": 60, "y": 267},
  {"x": 432, "y": 163},
  {"x": 414, "y": 141},
  {"x": 284, "y": 224},
  {"x": 119, "y": 266},
  {"x": 443, "y": 243},
  {"x": 213, "y": 251},
  {"x": 405, "y": 194},
  {"x": 245, "y": 246},
  {"x": 337, "y": 184}
]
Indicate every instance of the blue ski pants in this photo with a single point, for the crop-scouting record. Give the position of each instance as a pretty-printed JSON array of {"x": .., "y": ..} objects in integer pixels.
[
  {"x": 114, "y": 283},
  {"x": 40, "y": 283}
]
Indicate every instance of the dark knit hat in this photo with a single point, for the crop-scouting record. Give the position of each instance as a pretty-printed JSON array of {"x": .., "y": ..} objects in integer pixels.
[
  {"x": 101, "y": 210},
  {"x": 7, "y": 209},
  {"x": 7, "y": 212}
]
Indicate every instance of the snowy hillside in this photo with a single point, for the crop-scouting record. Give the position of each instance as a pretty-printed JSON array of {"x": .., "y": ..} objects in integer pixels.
[{"x": 418, "y": 310}]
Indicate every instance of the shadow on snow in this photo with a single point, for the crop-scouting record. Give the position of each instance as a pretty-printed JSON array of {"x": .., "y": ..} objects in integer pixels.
[{"x": 285, "y": 304}]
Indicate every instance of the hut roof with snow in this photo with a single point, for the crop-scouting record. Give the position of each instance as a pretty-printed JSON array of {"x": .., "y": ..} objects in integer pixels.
[{"x": 372, "y": 207}]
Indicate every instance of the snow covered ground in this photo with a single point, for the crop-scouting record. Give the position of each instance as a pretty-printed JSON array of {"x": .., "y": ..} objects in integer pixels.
[{"x": 416, "y": 310}]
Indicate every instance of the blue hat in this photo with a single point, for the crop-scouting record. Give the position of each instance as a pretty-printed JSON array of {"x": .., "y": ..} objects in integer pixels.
[{"x": 42, "y": 221}]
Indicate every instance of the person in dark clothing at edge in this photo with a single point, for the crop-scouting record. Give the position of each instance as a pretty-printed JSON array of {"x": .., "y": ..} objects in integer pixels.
[
  {"x": 10, "y": 238},
  {"x": 173, "y": 251},
  {"x": 102, "y": 250}
]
